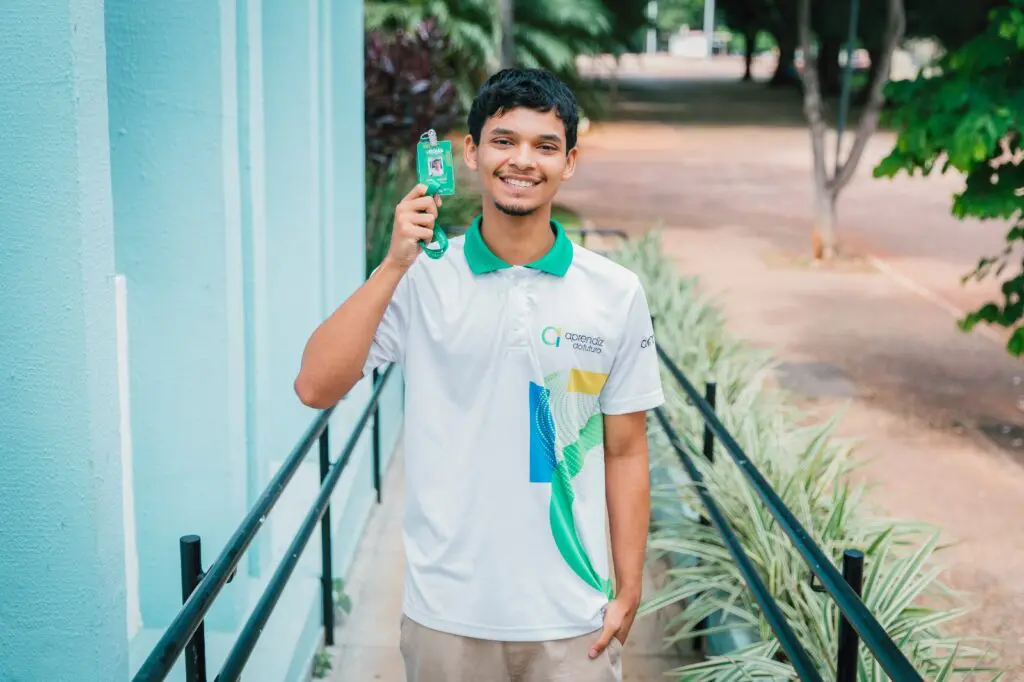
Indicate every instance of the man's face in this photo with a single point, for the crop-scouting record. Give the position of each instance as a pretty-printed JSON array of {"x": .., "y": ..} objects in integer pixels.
[{"x": 521, "y": 159}]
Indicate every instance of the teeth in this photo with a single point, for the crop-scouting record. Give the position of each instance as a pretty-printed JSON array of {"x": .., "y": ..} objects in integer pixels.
[{"x": 519, "y": 183}]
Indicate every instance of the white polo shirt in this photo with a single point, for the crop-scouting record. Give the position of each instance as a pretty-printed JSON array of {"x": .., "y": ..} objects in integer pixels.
[{"x": 508, "y": 372}]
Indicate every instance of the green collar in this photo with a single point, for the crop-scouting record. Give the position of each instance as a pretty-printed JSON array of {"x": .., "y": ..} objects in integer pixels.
[{"x": 482, "y": 260}]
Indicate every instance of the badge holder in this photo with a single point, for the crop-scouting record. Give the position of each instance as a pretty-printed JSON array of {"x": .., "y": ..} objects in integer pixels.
[{"x": 435, "y": 168}]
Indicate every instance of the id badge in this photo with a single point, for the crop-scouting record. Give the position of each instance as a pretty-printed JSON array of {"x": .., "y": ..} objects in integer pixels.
[{"x": 435, "y": 167}]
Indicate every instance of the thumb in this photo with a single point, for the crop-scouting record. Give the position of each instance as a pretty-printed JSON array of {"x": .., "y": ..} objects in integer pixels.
[
  {"x": 603, "y": 641},
  {"x": 416, "y": 192}
]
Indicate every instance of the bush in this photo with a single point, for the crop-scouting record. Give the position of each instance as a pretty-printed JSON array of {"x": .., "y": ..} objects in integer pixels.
[
  {"x": 809, "y": 469},
  {"x": 409, "y": 90}
]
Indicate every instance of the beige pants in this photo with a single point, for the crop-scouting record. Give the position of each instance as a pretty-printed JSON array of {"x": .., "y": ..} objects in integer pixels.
[{"x": 432, "y": 656}]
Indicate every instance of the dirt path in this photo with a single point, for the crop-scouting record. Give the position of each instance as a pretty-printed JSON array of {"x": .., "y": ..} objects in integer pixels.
[{"x": 938, "y": 412}]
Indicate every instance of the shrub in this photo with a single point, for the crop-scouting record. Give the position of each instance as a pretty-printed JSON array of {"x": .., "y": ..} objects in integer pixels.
[
  {"x": 409, "y": 90},
  {"x": 809, "y": 469}
]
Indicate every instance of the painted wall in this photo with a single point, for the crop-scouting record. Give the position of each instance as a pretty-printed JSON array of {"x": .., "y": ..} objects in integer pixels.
[
  {"x": 62, "y": 575},
  {"x": 181, "y": 202}
]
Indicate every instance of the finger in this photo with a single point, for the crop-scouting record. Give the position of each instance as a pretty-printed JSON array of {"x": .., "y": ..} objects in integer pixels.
[
  {"x": 602, "y": 642},
  {"x": 423, "y": 205},
  {"x": 416, "y": 192},
  {"x": 423, "y": 235},
  {"x": 422, "y": 219}
]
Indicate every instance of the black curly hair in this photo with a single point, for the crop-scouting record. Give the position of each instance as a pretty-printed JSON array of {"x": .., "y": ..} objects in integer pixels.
[{"x": 535, "y": 89}]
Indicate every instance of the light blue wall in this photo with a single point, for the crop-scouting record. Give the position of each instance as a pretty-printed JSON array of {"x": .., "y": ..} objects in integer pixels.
[
  {"x": 174, "y": 150},
  {"x": 209, "y": 154},
  {"x": 62, "y": 574}
]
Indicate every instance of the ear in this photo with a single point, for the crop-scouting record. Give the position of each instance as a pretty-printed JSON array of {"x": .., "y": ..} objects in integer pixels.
[
  {"x": 469, "y": 152},
  {"x": 570, "y": 163}
]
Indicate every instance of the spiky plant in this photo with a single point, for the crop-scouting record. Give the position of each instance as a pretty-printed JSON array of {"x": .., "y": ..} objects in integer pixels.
[{"x": 809, "y": 469}]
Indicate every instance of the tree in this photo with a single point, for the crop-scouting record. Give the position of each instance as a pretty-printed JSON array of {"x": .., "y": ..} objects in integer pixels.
[
  {"x": 748, "y": 17},
  {"x": 508, "y": 33},
  {"x": 827, "y": 186},
  {"x": 967, "y": 114},
  {"x": 409, "y": 90},
  {"x": 674, "y": 14},
  {"x": 547, "y": 34}
]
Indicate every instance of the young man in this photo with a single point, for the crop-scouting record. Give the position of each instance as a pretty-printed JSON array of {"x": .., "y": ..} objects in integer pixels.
[{"x": 529, "y": 364}]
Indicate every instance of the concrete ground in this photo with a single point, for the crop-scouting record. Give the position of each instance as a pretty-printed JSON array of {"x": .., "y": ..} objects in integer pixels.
[
  {"x": 723, "y": 168},
  {"x": 367, "y": 644}
]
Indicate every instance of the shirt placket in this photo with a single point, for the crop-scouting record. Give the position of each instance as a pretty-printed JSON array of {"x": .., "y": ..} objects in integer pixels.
[{"x": 519, "y": 309}]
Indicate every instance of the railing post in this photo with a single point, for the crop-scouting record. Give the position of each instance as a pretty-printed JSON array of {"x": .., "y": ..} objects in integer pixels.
[
  {"x": 327, "y": 571},
  {"x": 191, "y": 552},
  {"x": 710, "y": 395},
  {"x": 849, "y": 642},
  {"x": 376, "y": 444}
]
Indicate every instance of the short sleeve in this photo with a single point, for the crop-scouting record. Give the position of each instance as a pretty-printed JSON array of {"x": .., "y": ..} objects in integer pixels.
[
  {"x": 634, "y": 383},
  {"x": 388, "y": 344}
]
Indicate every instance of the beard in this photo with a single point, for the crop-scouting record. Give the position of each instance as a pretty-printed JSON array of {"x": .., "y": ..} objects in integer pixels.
[{"x": 513, "y": 210}]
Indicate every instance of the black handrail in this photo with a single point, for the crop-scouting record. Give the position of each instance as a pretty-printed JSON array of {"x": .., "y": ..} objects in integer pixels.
[
  {"x": 892, "y": 660},
  {"x": 798, "y": 657},
  {"x": 176, "y": 637}
]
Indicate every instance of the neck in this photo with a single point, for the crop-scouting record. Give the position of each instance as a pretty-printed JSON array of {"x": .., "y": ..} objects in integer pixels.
[{"x": 517, "y": 240}]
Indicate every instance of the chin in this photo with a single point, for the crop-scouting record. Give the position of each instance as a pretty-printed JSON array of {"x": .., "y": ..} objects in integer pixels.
[{"x": 515, "y": 210}]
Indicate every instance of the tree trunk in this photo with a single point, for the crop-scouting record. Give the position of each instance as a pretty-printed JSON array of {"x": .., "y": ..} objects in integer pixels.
[
  {"x": 828, "y": 62},
  {"x": 823, "y": 238},
  {"x": 749, "y": 40},
  {"x": 826, "y": 188},
  {"x": 508, "y": 33},
  {"x": 784, "y": 69}
]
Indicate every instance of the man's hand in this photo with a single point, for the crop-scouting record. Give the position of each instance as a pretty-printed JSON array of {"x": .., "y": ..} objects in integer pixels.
[
  {"x": 414, "y": 222},
  {"x": 618, "y": 619}
]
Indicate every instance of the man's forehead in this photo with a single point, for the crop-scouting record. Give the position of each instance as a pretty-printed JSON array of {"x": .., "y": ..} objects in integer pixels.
[{"x": 527, "y": 122}]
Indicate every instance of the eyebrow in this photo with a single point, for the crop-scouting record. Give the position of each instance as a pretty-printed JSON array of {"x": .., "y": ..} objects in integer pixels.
[{"x": 548, "y": 137}]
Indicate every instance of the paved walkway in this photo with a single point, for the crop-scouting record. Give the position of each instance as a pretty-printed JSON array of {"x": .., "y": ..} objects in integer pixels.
[{"x": 367, "y": 642}]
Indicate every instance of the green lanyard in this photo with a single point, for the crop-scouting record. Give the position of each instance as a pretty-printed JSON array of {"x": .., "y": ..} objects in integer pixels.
[{"x": 439, "y": 235}]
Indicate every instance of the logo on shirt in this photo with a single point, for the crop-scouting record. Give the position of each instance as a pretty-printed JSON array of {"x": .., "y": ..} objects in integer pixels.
[
  {"x": 552, "y": 336},
  {"x": 648, "y": 342}
]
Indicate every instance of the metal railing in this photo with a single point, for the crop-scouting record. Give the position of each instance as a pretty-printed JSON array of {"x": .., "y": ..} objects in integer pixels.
[
  {"x": 856, "y": 621},
  {"x": 185, "y": 634},
  {"x": 584, "y": 232}
]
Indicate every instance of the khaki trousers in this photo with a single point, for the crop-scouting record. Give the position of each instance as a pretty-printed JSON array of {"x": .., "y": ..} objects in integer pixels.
[{"x": 432, "y": 656}]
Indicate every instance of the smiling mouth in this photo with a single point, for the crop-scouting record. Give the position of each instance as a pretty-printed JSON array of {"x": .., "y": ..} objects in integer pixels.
[{"x": 517, "y": 183}]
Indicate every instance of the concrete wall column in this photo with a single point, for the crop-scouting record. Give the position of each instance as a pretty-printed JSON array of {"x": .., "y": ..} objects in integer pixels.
[
  {"x": 172, "y": 70},
  {"x": 62, "y": 569}
]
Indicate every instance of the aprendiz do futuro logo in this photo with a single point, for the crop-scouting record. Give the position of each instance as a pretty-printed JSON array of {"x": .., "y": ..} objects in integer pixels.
[{"x": 553, "y": 336}]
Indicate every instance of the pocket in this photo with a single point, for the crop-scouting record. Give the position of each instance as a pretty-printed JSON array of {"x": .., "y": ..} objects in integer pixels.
[
  {"x": 615, "y": 649},
  {"x": 403, "y": 635}
]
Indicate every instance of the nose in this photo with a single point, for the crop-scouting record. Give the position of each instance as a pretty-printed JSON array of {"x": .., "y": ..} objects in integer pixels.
[{"x": 523, "y": 156}]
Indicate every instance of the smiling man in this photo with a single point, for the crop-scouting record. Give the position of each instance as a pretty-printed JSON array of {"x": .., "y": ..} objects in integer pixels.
[{"x": 529, "y": 364}]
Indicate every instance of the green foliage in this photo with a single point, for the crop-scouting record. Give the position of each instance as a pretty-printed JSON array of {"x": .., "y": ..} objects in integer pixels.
[
  {"x": 342, "y": 600},
  {"x": 673, "y": 14},
  {"x": 967, "y": 116},
  {"x": 809, "y": 469},
  {"x": 385, "y": 187},
  {"x": 473, "y": 29},
  {"x": 322, "y": 664},
  {"x": 549, "y": 35},
  {"x": 409, "y": 89}
]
